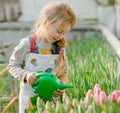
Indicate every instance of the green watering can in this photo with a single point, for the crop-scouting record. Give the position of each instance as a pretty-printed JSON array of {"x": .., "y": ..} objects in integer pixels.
[{"x": 45, "y": 86}]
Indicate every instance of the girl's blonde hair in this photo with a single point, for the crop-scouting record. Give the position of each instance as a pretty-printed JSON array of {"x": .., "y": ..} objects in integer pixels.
[{"x": 55, "y": 13}]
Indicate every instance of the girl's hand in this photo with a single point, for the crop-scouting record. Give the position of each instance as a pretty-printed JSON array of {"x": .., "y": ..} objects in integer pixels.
[
  {"x": 29, "y": 105},
  {"x": 58, "y": 93},
  {"x": 30, "y": 78}
]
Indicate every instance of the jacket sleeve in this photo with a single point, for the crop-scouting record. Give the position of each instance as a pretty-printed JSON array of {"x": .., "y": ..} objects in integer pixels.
[{"x": 17, "y": 58}]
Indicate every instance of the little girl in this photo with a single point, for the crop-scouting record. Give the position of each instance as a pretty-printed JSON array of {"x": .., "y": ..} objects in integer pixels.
[{"x": 43, "y": 50}]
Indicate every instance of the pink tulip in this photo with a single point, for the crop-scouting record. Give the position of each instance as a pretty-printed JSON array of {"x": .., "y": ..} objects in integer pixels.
[
  {"x": 89, "y": 96},
  {"x": 48, "y": 105},
  {"x": 96, "y": 89},
  {"x": 47, "y": 111},
  {"x": 118, "y": 92},
  {"x": 103, "y": 112},
  {"x": 114, "y": 96},
  {"x": 72, "y": 111},
  {"x": 90, "y": 91},
  {"x": 97, "y": 85},
  {"x": 97, "y": 99},
  {"x": 103, "y": 97},
  {"x": 118, "y": 101}
]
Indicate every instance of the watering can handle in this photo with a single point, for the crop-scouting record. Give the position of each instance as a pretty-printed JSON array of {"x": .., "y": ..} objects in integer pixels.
[{"x": 40, "y": 74}]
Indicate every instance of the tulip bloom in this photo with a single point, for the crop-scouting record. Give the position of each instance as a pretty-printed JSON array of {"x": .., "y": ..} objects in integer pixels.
[
  {"x": 89, "y": 96},
  {"x": 48, "y": 105},
  {"x": 114, "y": 96},
  {"x": 103, "y": 112},
  {"x": 72, "y": 111},
  {"x": 97, "y": 99},
  {"x": 96, "y": 89},
  {"x": 47, "y": 111},
  {"x": 103, "y": 97},
  {"x": 118, "y": 101}
]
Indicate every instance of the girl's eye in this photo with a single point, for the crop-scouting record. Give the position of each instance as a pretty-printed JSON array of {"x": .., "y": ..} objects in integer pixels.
[{"x": 59, "y": 32}]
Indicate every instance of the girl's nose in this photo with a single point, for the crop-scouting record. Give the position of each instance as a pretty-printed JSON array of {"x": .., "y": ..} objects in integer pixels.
[{"x": 60, "y": 37}]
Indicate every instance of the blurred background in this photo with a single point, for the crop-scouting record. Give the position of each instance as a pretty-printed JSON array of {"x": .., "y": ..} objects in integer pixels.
[
  {"x": 98, "y": 22},
  {"x": 17, "y": 17}
]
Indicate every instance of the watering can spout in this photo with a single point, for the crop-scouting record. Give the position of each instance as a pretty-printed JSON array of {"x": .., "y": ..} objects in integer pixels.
[{"x": 64, "y": 86}]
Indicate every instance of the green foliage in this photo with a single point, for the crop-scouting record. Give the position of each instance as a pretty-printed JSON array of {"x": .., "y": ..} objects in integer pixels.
[
  {"x": 3, "y": 83},
  {"x": 91, "y": 61}
]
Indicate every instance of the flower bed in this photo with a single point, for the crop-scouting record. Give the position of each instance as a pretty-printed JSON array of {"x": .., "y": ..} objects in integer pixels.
[{"x": 93, "y": 73}]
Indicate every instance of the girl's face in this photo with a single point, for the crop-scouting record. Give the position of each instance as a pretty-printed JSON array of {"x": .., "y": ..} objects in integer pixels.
[{"x": 54, "y": 34}]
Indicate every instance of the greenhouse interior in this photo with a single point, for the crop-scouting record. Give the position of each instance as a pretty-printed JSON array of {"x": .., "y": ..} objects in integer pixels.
[{"x": 84, "y": 72}]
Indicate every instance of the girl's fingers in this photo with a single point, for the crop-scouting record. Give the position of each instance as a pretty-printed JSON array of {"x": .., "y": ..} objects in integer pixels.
[
  {"x": 32, "y": 79},
  {"x": 58, "y": 93},
  {"x": 34, "y": 76},
  {"x": 29, "y": 105}
]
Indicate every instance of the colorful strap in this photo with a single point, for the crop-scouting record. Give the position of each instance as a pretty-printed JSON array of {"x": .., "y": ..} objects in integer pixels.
[
  {"x": 63, "y": 58},
  {"x": 59, "y": 52},
  {"x": 32, "y": 44}
]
